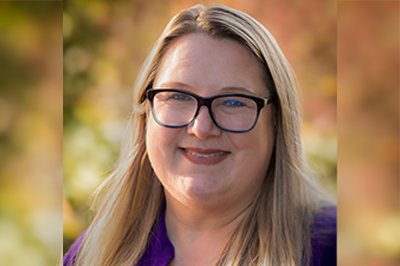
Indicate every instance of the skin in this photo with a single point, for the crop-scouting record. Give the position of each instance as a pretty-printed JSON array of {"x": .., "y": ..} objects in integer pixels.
[{"x": 205, "y": 203}]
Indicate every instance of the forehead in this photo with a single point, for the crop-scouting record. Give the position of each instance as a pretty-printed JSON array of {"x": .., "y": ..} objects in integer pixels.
[{"x": 203, "y": 62}]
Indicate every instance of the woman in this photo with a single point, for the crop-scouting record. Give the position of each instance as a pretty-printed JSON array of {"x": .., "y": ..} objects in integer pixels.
[{"x": 212, "y": 170}]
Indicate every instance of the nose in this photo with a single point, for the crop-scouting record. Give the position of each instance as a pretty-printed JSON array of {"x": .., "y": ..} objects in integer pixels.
[{"x": 203, "y": 127}]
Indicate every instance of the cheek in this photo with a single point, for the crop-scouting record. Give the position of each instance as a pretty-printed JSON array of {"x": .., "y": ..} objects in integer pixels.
[
  {"x": 161, "y": 144},
  {"x": 265, "y": 131},
  {"x": 155, "y": 141},
  {"x": 256, "y": 146}
]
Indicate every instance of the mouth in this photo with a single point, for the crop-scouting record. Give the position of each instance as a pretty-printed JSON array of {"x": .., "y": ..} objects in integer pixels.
[{"x": 205, "y": 157}]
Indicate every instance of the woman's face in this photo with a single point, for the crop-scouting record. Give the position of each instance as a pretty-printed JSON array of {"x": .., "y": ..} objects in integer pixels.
[{"x": 200, "y": 164}]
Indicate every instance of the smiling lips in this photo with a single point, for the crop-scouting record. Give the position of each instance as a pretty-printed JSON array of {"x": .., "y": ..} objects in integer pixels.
[{"x": 205, "y": 157}]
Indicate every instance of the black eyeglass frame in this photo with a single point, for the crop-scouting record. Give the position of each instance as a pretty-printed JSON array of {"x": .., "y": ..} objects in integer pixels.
[{"x": 207, "y": 101}]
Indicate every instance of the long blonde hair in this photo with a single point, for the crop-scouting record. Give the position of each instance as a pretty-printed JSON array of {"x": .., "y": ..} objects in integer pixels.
[{"x": 277, "y": 230}]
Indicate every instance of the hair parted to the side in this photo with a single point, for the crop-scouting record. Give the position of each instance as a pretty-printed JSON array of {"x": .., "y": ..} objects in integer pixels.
[{"x": 277, "y": 230}]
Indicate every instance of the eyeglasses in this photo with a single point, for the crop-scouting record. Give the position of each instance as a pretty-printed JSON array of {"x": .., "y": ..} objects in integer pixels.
[{"x": 236, "y": 113}]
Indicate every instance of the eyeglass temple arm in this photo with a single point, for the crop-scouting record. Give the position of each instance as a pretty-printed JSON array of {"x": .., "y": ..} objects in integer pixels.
[{"x": 268, "y": 100}]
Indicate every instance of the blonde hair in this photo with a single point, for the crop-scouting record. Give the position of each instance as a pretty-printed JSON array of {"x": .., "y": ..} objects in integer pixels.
[{"x": 277, "y": 230}]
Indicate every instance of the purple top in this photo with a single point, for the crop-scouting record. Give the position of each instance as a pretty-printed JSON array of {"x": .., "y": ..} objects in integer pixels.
[{"x": 161, "y": 251}]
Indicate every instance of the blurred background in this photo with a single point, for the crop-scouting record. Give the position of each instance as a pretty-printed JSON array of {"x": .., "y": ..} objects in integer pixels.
[
  {"x": 104, "y": 45},
  {"x": 30, "y": 133},
  {"x": 368, "y": 133}
]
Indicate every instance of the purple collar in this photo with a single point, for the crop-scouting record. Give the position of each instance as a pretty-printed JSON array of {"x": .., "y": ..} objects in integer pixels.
[{"x": 161, "y": 251}]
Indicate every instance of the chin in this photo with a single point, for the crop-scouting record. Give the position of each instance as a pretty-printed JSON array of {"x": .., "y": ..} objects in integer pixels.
[{"x": 204, "y": 196}]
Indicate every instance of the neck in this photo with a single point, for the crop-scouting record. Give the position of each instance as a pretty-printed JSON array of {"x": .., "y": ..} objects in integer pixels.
[
  {"x": 195, "y": 231},
  {"x": 206, "y": 217}
]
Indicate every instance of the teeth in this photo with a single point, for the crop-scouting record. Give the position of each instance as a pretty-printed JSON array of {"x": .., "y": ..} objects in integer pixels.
[{"x": 205, "y": 155}]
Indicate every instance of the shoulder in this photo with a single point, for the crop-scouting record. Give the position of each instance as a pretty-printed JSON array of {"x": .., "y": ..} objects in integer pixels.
[
  {"x": 324, "y": 237},
  {"x": 70, "y": 257}
]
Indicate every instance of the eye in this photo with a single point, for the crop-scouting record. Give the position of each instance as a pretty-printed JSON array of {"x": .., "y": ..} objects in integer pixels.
[
  {"x": 233, "y": 103},
  {"x": 179, "y": 97}
]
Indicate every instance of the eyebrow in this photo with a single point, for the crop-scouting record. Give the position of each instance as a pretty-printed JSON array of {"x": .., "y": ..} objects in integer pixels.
[
  {"x": 174, "y": 84},
  {"x": 180, "y": 85},
  {"x": 238, "y": 89}
]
